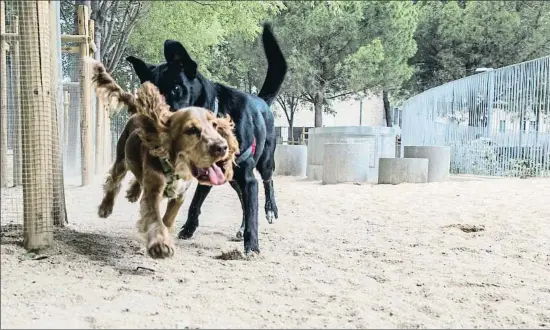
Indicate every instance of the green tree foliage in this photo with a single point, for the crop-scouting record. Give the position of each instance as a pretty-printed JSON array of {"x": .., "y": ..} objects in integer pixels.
[
  {"x": 200, "y": 26},
  {"x": 340, "y": 48},
  {"x": 239, "y": 63},
  {"x": 454, "y": 41}
]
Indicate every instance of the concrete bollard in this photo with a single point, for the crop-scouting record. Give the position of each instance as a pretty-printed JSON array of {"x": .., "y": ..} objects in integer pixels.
[
  {"x": 290, "y": 160},
  {"x": 346, "y": 162},
  {"x": 403, "y": 170},
  {"x": 439, "y": 160},
  {"x": 314, "y": 172},
  {"x": 382, "y": 139}
]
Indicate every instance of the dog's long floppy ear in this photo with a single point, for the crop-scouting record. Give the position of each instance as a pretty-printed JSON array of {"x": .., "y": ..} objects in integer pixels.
[
  {"x": 153, "y": 120},
  {"x": 142, "y": 69},
  {"x": 175, "y": 53},
  {"x": 226, "y": 128}
]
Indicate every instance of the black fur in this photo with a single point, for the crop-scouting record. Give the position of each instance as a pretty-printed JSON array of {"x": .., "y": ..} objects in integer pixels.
[{"x": 182, "y": 85}]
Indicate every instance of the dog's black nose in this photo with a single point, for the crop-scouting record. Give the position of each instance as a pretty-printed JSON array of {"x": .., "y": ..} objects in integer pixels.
[{"x": 218, "y": 149}]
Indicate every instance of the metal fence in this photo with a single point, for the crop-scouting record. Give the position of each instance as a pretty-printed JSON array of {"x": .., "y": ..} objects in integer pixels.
[{"x": 496, "y": 122}]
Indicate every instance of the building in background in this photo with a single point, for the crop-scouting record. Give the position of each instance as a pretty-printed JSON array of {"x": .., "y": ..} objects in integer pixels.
[{"x": 348, "y": 113}]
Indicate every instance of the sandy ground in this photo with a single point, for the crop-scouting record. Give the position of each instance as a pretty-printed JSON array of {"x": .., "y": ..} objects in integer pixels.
[{"x": 343, "y": 256}]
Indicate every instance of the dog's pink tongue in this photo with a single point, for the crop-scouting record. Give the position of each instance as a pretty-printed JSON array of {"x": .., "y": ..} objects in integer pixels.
[{"x": 215, "y": 175}]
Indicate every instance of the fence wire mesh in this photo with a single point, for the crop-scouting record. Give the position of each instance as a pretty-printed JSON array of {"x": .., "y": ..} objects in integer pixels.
[
  {"x": 32, "y": 191},
  {"x": 496, "y": 122},
  {"x": 54, "y": 134}
]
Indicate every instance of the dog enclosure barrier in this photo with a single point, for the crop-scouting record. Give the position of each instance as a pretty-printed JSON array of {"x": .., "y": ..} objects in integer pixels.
[
  {"x": 86, "y": 142},
  {"x": 38, "y": 183},
  {"x": 495, "y": 123},
  {"x": 48, "y": 120}
]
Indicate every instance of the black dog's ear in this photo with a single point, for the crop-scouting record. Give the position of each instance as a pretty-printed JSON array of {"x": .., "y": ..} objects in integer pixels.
[
  {"x": 142, "y": 69},
  {"x": 175, "y": 53}
]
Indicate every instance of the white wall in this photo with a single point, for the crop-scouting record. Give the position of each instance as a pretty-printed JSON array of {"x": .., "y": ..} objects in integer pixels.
[{"x": 347, "y": 114}]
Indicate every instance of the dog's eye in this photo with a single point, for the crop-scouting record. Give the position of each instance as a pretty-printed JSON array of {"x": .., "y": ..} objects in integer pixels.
[
  {"x": 193, "y": 131},
  {"x": 215, "y": 124},
  {"x": 176, "y": 90}
]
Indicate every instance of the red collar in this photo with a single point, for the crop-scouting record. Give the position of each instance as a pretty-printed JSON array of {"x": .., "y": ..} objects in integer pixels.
[{"x": 253, "y": 147}]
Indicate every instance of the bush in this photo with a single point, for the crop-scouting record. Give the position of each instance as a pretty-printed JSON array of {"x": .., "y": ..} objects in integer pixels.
[{"x": 476, "y": 157}]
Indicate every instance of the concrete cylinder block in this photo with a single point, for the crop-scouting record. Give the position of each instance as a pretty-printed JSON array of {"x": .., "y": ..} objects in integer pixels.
[
  {"x": 346, "y": 162},
  {"x": 403, "y": 170},
  {"x": 314, "y": 172},
  {"x": 290, "y": 160},
  {"x": 382, "y": 138},
  {"x": 439, "y": 160}
]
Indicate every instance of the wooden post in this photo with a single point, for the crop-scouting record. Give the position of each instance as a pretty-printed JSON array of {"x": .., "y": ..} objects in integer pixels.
[
  {"x": 17, "y": 180},
  {"x": 107, "y": 158},
  {"x": 86, "y": 113},
  {"x": 56, "y": 177},
  {"x": 98, "y": 118},
  {"x": 66, "y": 104},
  {"x": 91, "y": 26},
  {"x": 3, "y": 101},
  {"x": 99, "y": 137},
  {"x": 36, "y": 135}
]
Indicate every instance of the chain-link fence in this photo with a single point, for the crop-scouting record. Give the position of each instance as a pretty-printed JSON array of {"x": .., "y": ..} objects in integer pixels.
[{"x": 496, "y": 122}]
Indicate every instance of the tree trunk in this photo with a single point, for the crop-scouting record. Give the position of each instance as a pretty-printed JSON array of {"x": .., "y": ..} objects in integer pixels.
[
  {"x": 387, "y": 108},
  {"x": 318, "y": 104},
  {"x": 290, "y": 120},
  {"x": 249, "y": 82}
]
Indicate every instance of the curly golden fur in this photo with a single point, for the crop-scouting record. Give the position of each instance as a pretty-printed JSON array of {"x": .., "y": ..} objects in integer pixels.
[{"x": 192, "y": 142}]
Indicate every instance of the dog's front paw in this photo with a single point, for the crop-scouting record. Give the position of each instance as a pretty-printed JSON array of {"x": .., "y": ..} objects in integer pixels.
[
  {"x": 240, "y": 235},
  {"x": 252, "y": 255},
  {"x": 186, "y": 232},
  {"x": 105, "y": 210},
  {"x": 159, "y": 244},
  {"x": 270, "y": 216},
  {"x": 251, "y": 247}
]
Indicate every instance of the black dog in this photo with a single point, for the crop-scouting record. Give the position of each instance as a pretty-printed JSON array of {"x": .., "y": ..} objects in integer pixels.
[{"x": 182, "y": 85}]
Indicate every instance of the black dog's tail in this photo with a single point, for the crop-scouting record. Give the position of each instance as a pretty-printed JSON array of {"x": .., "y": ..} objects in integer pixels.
[{"x": 276, "y": 66}]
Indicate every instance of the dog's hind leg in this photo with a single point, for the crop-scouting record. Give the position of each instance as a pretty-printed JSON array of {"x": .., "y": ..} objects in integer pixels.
[
  {"x": 266, "y": 166},
  {"x": 192, "y": 222},
  {"x": 111, "y": 188},
  {"x": 115, "y": 175},
  {"x": 134, "y": 191},
  {"x": 235, "y": 186}
]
